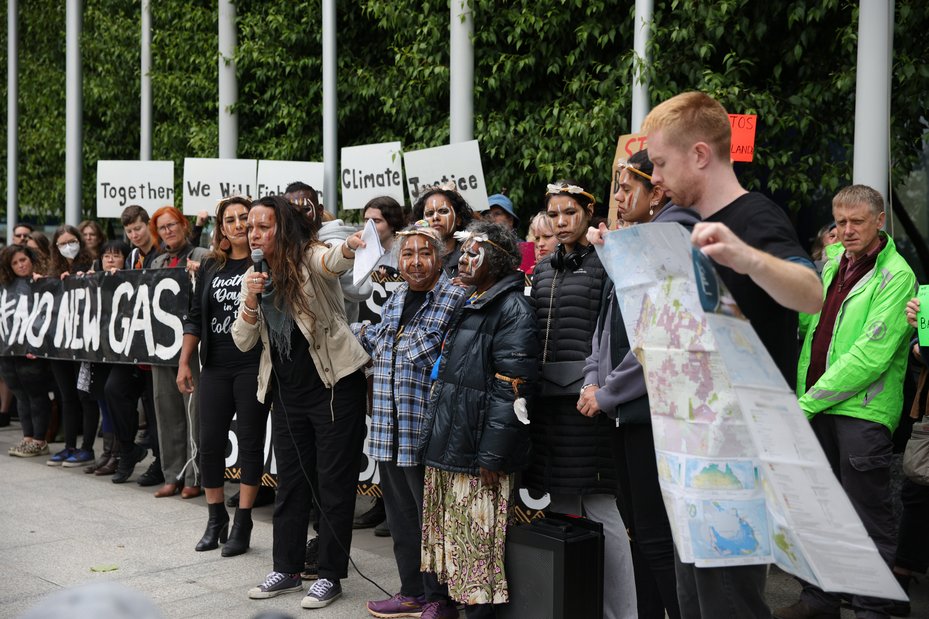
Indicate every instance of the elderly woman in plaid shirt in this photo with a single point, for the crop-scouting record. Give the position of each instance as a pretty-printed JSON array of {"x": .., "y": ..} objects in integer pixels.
[{"x": 404, "y": 347}]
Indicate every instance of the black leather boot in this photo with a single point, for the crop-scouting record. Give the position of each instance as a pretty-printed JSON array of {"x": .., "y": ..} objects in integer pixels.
[
  {"x": 217, "y": 528},
  {"x": 241, "y": 533}
]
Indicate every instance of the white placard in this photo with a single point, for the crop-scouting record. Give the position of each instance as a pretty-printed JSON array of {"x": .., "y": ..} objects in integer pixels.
[
  {"x": 149, "y": 184},
  {"x": 274, "y": 176},
  {"x": 207, "y": 181},
  {"x": 370, "y": 171},
  {"x": 459, "y": 163}
]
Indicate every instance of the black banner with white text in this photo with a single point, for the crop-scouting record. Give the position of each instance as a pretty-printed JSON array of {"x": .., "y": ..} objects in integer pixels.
[{"x": 123, "y": 317}]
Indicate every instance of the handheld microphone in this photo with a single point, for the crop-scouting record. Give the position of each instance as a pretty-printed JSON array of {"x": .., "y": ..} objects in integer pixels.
[{"x": 258, "y": 257}]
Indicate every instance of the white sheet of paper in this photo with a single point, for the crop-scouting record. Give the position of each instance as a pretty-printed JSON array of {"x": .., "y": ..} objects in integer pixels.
[{"x": 366, "y": 257}]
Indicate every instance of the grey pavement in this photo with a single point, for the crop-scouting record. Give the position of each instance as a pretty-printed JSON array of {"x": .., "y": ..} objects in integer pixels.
[{"x": 60, "y": 527}]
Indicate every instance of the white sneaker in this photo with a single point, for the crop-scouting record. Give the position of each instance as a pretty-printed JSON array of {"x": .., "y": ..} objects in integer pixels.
[{"x": 323, "y": 593}]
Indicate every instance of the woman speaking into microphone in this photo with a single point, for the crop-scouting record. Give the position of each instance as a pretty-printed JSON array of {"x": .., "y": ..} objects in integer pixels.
[{"x": 310, "y": 367}]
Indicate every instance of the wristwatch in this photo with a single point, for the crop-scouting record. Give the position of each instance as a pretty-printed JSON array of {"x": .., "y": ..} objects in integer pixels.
[{"x": 586, "y": 386}]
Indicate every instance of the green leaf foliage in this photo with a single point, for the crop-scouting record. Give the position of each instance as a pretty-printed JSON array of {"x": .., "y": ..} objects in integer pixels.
[{"x": 552, "y": 85}]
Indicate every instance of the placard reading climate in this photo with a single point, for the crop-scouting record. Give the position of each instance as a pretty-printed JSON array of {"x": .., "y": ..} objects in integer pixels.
[
  {"x": 370, "y": 171},
  {"x": 149, "y": 184}
]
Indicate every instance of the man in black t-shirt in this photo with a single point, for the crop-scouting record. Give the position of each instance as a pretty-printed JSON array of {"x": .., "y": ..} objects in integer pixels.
[{"x": 757, "y": 255}]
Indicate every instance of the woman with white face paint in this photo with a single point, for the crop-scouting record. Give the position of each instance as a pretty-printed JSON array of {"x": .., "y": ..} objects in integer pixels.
[
  {"x": 614, "y": 387},
  {"x": 572, "y": 456},
  {"x": 478, "y": 437},
  {"x": 448, "y": 212},
  {"x": 404, "y": 345},
  {"x": 69, "y": 256}
]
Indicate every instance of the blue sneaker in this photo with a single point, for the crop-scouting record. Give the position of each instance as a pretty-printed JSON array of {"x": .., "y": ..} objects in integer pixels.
[
  {"x": 60, "y": 457},
  {"x": 78, "y": 457}
]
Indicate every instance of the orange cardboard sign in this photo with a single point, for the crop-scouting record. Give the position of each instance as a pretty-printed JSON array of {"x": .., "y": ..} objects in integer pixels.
[
  {"x": 742, "y": 146},
  {"x": 626, "y": 146}
]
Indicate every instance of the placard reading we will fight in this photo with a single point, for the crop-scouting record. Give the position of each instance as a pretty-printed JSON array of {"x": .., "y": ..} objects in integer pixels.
[
  {"x": 207, "y": 181},
  {"x": 454, "y": 163}
]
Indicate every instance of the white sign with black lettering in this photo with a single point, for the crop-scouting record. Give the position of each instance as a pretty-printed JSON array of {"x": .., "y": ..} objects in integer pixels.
[
  {"x": 120, "y": 183},
  {"x": 274, "y": 176},
  {"x": 455, "y": 163},
  {"x": 370, "y": 171},
  {"x": 207, "y": 181}
]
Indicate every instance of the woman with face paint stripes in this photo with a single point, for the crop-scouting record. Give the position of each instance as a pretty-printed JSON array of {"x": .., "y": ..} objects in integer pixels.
[{"x": 572, "y": 454}]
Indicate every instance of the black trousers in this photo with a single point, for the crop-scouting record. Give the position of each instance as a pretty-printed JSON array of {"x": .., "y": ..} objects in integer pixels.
[
  {"x": 644, "y": 513},
  {"x": 403, "y": 499},
  {"x": 912, "y": 539},
  {"x": 79, "y": 410},
  {"x": 125, "y": 385},
  {"x": 28, "y": 380},
  {"x": 329, "y": 431},
  {"x": 224, "y": 392}
]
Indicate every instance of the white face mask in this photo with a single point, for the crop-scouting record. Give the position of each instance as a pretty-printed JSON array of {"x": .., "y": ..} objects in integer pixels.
[{"x": 70, "y": 250}]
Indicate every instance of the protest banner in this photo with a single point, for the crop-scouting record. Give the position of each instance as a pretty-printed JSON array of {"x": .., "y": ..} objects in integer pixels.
[
  {"x": 922, "y": 318},
  {"x": 207, "y": 181},
  {"x": 742, "y": 144},
  {"x": 370, "y": 171},
  {"x": 626, "y": 146},
  {"x": 123, "y": 317},
  {"x": 274, "y": 176},
  {"x": 150, "y": 184},
  {"x": 453, "y": 163}
]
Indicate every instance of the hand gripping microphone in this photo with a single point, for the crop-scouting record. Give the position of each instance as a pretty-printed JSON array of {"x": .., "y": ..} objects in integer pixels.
[{"x": 258, "y": 257}]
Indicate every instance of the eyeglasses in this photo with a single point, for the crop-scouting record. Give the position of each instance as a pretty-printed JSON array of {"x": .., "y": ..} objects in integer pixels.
[
  {"x": 167, "y": 227},
  {"x": 21, "y": 235},
  {"x": 66, "y": 243}
]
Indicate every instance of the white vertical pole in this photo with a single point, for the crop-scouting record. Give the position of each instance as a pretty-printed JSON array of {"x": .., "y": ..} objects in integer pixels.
[
  {"x": 228, "y": 86},
  {"x": 461, "y": 73},
  {"x": 12, "y": 117},
  {"x": 145, "y": 111},
  {"x": 330, "y": 110},
  {"x": 643, "y": 25},
  {"x": 73, "y": 107},
  {"x": 872, "y": 95}
]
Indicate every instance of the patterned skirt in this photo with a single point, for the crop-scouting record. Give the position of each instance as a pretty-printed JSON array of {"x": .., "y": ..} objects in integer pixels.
[{"x": 464, "y": 535}]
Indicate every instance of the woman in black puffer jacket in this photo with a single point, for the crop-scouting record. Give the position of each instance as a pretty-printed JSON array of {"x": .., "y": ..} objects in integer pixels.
[
  {"x": 478, "y": 437},
  {"x": 573, "y": 455}
]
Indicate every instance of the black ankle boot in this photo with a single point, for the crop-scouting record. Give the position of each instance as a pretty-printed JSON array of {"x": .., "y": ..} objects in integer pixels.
[
  {"x": 217, "y": 528},
  {"x": 241, "y": 533}
]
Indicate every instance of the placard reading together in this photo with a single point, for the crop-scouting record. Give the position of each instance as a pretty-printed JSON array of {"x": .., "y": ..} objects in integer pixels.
[
  {"x": 149, "y": 184},
  {"x": 922, "y": 318},
  {"x": 742, "y": 144}
]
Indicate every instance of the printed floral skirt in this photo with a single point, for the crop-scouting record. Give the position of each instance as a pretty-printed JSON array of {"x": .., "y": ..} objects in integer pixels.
[{"x": 464, "y": 535}]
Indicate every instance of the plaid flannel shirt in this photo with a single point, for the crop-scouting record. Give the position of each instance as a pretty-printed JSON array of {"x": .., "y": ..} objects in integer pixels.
[{"x": 402, "y": 367}]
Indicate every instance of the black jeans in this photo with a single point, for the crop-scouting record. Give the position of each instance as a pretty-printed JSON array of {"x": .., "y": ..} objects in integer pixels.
[
  {"x": 644, "y": 514},
  {"x": 28, "y": 380},
  {"x": 912, "y": 540},
  {"x": 329, "y": 431},
  {"x": 860, "y": 453},
  {"x": 79, "y": 410},
  {"x": 124, "y": 386},
  {"x": 403, "y": 499},
  {"x": 224, "y": 392}
]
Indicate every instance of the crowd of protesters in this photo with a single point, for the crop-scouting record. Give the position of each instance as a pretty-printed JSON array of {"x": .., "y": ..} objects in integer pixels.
[{"x": 463, "y": 359}]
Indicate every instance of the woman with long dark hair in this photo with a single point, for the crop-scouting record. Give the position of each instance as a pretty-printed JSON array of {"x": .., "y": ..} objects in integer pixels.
[
  {"x": 228, "y": 378},
  {"x": 79, "y": 410},
  {"x": 27, "y": 377},
  {"x": 311, "y": 369}
]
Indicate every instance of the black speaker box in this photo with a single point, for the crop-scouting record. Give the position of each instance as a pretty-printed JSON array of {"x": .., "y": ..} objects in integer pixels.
[{"x": 554, "y": 569}]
